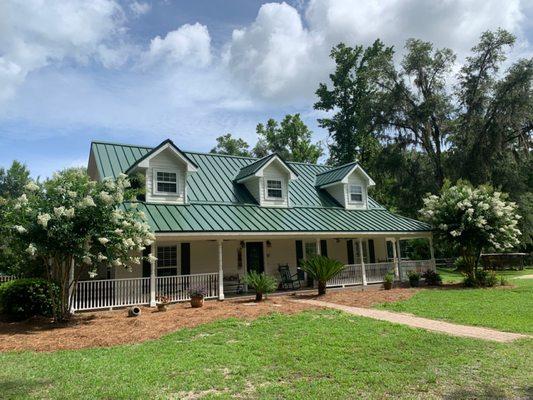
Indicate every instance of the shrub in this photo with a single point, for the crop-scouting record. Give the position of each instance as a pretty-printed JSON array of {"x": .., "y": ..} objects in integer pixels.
[
  {"x": 414, "y": 278},
  {"x": 261, "y": 283},
  {"x": 503, "y": 281},
  {"x": 482, "y": 278},
  {"x": 322, "y": 269},
  {"x": 24, "y": 298},
  {"x": 432, "y": 278}
]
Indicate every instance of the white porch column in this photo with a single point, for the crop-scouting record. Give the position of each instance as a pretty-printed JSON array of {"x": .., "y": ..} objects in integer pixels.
[
  {"x": 363, "y": 272},
  {"x": 153, "y": 266},
  {"x": 71, "y": 286},
  {"x": 220, "y": 272},
  {"x": 432, "y": 252},
  {"x": 318, "y": 253},
  {"x": 396, "y": 261},
  {"x": 399, "y": 256}
]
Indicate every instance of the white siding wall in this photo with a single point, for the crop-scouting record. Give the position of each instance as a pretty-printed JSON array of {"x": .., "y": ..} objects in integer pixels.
[
  {"x": 165, "y": 161},
  {"x": 281, "y": 252},
  {"x": 339, "y": 193},
  {"x": 274, "y": 171},
  {"x": 356, "y": 179},
  {"x": 254, "y": 187},
  {"x": 337, "y": 250}
]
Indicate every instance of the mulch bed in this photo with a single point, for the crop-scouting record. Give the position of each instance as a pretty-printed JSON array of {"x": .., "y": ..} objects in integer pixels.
[{"x": 110, "y": 328}]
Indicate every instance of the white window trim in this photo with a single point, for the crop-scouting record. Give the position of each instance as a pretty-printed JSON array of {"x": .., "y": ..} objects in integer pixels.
[
  {"x": 154, "y": 182},
  {"x": 350, "y": 194},
  {"x": 267, "y": 197}
]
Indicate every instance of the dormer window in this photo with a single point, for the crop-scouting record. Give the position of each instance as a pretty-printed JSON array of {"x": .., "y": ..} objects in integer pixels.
[
  {"x": 274, "y": 189},
  {"x": 166, "y": 182},
  {"x": 356, "y": 194}
]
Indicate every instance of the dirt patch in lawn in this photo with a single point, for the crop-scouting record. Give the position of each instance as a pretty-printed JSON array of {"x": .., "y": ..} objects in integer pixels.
[{"x": 110, "y": 328}]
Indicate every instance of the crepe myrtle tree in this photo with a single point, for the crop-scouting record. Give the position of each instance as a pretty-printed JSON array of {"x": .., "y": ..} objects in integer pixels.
[
  {"x": 71, "y": 220},
  {"x": 472, "y": 219}
]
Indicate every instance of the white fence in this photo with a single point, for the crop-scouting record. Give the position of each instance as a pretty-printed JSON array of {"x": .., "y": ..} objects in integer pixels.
[
  {"x": 420, "y": 266},
  {"x": 376, "y": 272},
  {"x": 109, "y": 293},
  {"x": 7, "y": 278},
  {"x": 176, "y": 288},
  {"x": 352, "y": 274}
]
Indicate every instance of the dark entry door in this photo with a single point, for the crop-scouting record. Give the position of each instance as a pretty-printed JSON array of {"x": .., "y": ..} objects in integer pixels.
[{"x": 254, "y": 257}]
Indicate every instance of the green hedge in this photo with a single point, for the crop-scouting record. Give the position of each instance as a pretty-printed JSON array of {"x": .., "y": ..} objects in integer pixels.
[{"x": 24, "y": 298}]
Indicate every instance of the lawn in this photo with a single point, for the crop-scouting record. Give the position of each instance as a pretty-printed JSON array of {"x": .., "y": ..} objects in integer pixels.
[
  {"x": 507, "y": 309},
  {"x": 310, "y": 355}
]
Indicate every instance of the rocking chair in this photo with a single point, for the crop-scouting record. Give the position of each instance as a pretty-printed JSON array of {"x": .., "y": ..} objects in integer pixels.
[{"x": 288, "y": 281}]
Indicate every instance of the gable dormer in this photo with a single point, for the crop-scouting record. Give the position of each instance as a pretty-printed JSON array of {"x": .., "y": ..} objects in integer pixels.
[
  {"x": 348, "y": 184},
  {"x": 267, "y": 179},
  {"x": 166, "y": 169}
]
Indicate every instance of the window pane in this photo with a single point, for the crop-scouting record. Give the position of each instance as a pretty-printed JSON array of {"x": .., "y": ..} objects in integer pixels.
[
  {"x": 167, "y": 182},
  {"x": 166, "y": 256},
  {"x": 356, "y": 193},
  {"x": 274, "y": 188},
  {"x": 166, "y": 187},
  {"x": 166, "y": 177}
]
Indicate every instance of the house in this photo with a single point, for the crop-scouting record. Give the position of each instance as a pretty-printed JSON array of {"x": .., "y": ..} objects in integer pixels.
[{"x": 216, "y": 217}]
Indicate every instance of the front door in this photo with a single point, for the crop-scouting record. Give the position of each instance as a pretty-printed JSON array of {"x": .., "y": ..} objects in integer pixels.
[{"x": 254, "y": 257}]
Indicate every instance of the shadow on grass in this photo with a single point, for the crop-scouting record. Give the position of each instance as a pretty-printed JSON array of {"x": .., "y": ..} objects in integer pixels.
[
  {"x": 20, "y": 388},
  {"x": 488, "y": 392}
]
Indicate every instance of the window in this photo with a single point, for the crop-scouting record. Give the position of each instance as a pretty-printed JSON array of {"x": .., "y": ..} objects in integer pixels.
[
  {"x": 166, "y": 182},
  {"x": 356, "y": 194},
  {"x": 274, "y": 189},
  {"x": 167, "y": 260},
  {"x": 310, "y": 250},
  {"x": 357, "y": 255}
]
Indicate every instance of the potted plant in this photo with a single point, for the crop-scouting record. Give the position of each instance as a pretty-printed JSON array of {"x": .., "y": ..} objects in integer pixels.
[
  {"x": 414, "y": 278},
  {"x": 197, "y": 294},
  {"x": 162, "y": 303},
  {"x": 387, "y": 280}
]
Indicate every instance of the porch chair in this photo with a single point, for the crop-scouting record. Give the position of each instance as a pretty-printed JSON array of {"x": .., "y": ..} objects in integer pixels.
[{"x": 288, "y": 281}]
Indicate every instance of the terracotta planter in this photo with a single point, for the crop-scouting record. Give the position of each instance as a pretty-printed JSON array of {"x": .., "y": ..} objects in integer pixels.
[
  {"x": 197, "y": 302},
  {"x": 387, "y": 285}
]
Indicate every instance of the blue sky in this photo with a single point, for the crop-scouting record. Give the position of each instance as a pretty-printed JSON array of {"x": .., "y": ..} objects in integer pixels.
[{"x": 72, "y": 71}]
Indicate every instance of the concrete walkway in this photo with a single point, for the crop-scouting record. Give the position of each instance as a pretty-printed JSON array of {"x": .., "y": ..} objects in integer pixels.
[{"x": 423, "y": 323}]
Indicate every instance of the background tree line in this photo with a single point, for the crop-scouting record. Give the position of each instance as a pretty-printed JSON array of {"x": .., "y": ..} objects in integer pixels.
[{"x": 414, "y": 124}]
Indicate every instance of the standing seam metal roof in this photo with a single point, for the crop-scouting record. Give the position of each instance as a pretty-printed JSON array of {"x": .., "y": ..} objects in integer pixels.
[{"x": 217, "y": 204}]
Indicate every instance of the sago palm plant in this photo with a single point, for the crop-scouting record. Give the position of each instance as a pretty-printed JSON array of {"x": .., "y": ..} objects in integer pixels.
[
  {"x": 261, "y": 283},
  {"x": 322, "y": 269}
]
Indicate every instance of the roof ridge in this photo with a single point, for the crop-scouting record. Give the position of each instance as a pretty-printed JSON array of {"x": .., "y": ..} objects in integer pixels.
[
  {"x": 120, "y": 144},
  {"x": 339, "y": 167}
]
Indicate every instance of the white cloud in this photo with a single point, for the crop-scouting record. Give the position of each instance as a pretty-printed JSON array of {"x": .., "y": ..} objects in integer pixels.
[
  {"x": 139, "y": 8},
  {"x": 188, "y": 45},
  {"x": 35, "y": 33},
  {"x": 282, "y": 58}
]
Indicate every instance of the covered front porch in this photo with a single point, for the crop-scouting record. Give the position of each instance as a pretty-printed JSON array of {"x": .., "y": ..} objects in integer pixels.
[{"x": 220, "y": 263}]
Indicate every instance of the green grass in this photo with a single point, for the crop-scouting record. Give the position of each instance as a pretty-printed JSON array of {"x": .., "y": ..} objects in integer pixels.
[
  {"x": 506, "y": 309},
  {"x": 449, "y": 275},
  {"x": 312, "y": 355}
]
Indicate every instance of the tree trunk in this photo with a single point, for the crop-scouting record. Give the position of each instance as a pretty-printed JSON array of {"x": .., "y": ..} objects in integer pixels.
[
  {"x": 259, "y": 296},
  {"x": 321, "y": 288}
]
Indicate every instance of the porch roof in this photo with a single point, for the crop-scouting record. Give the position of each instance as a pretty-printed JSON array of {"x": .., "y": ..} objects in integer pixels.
[{"x": 205, "y": 218}]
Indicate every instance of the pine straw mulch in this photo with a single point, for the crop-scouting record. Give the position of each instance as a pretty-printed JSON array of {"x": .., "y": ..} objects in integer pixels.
[{"x": 110, "y": 328}]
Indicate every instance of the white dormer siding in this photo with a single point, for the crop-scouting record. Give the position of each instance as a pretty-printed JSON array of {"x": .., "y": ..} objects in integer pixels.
[
  {"x": 166, "y": 162},
  {"x": 341, "y": 191}
]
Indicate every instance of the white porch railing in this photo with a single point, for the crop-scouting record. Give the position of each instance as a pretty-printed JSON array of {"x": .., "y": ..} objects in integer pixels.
[
  {"x": 110, "y": 293},
  {"x": 420, "y": 266},
  {"x": 352, "y": 274},
  {"x": 7, "y": 278},
  {"x": 375, "y": 272},
  {"x": 176, "y": 288}
]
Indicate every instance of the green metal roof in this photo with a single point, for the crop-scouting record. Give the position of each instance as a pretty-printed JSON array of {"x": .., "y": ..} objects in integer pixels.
[
  {"x": 334, "y": 175},
  {"x": 252, "y": 218},
  {"x": 147, "y": 154},
  {"x": 217, "y": 203},
  {"x": 253, "y": 167}
]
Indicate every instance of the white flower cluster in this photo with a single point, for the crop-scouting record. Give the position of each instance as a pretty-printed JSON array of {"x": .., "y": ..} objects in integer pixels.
[{"x": 474, "y": 215}]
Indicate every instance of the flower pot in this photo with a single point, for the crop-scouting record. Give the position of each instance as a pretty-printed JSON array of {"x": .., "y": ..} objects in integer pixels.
[
  {"x": 197, "y": 302},
  {"x": 387, "y": 285},
  {"x": 162, "y": 306}
]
